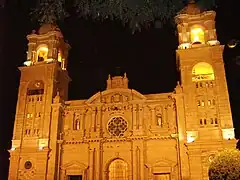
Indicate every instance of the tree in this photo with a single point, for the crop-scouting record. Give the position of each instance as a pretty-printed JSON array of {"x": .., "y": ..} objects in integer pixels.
[
  {"x": 136, "y": 13},
  {"x": 225, "y": 165}
]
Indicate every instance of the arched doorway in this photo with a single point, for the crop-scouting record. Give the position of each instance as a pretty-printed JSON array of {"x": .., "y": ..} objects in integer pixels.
[{"x": 118, "y": 170}]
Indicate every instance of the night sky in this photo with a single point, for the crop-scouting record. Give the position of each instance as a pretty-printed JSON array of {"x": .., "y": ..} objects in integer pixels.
[{"x": 102, "y": 48}]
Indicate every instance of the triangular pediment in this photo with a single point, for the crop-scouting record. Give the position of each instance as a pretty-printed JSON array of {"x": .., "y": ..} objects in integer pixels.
[
  {"x": 74, "y": 165},
  {"x": 117, "y": 95}
]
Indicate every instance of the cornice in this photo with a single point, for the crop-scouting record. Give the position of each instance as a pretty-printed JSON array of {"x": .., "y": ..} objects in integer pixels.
[{"x": 127, "y": 139}]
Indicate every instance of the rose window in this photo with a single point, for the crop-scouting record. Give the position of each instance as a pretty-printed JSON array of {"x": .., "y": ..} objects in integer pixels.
[{"x": 117, "y": 126}]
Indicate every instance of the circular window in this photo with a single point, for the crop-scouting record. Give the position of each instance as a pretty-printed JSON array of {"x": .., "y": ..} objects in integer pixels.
[
  {"x": 117, "y": 126},
  {"x": 28, "y": 165}
]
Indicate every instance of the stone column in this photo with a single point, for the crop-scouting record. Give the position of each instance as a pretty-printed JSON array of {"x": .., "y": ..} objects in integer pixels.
[
  {"x": 153, "y": 117},
  {"x": 50, "y": 49},
  {"x": 141, "y": 125},
  {"x": 142, "y": 161},
  {"x": 100, "y": 161},
  {"x": 93, "y": 124},
  {"x": 55, "y": 53},
  {"x": 88, "y": 121},
  {"x": 170, "y": 116},
  {"x": 165, "y": 118},
  {"x": 99, "y": 118},
  {"x": 30, "y": 51},
  {"x": 81, "y": 122},
  {"x": 91, "y": 163},
  {"x": 132, "y": 172},
  {"x": 34, "y": 56},
  {"x": 97, "y": 161},
  {"x": 150, "y": 174},
  {"x": 174, "y": 119},
  {"x": 138, "y": 163},
  {"x": 52, "y": 169},
  {"x": 134, "y": 116}
]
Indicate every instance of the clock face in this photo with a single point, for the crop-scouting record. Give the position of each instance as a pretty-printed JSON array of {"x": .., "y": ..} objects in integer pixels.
[
  {"x": 28, "y": 165},
  {"x": 37, "y": 84}
]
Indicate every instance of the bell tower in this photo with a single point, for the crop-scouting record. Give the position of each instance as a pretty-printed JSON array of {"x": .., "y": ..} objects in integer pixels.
[
  {"x": 37, "y": 125},
  {"x": 208, "y": 117}
]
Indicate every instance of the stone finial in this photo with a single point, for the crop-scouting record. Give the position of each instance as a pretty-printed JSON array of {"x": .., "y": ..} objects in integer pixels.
[
  {"x": 178, "y": 88},
  {"x": 109, "y": 82},
  {"x": 57, "y": 98}
]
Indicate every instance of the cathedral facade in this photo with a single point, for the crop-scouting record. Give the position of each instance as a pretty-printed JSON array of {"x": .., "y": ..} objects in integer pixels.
[{"x": 119, "y": 133}]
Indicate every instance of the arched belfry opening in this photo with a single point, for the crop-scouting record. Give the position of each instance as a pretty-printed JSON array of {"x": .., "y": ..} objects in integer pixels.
[
  {"x": 42, "y": 53},
  {"x": 202, "y": 72},
  {"x": 47, "y": 46},
  {"x": 118, "y": 170},
  {"x": 197, "y": 35},
  {"x": 196, "y": 28}
]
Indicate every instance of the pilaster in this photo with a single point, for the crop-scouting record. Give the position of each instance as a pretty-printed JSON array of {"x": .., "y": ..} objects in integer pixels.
[{"x": 54, "y": 136}]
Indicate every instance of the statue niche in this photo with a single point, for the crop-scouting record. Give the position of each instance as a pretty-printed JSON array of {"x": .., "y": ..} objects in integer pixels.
[{"x": 159, "y": 119}]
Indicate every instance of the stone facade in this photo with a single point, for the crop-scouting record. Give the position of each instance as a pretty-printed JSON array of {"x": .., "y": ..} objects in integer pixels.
[{"x": 120, "y": 133}]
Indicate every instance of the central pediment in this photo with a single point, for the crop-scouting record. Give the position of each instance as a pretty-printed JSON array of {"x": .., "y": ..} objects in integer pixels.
[{"x": 117, "y": 95}]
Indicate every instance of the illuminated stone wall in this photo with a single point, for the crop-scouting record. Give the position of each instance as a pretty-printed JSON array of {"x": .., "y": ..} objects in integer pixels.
[{"x": 121, "y": 133}]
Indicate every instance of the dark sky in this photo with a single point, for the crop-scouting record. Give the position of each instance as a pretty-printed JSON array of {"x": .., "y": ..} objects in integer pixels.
[{"x": 100, "y": 48}]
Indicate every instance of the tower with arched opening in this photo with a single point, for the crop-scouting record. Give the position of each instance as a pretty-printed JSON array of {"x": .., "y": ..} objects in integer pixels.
[
  {"x": 43, "y": 77},
  {"x": 208, "y": 119},
  {"x": 119, "y": 133}
]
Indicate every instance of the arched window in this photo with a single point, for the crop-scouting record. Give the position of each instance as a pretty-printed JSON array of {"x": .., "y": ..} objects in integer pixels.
[
  {"x": 42, "y": 53},
  {"x": 197, "y": 35},
  {"x": 202, "y": 72},
  {"x": 118, "y": 169}
]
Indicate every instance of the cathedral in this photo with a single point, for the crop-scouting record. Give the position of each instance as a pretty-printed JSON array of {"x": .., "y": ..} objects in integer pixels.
[{"x": 119, "y": 133}]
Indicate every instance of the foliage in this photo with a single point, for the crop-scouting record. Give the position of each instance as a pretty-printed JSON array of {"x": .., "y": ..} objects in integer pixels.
[
  {"x": 49, "y": 11},
  {"x": 136, "y": 13},
  {"x": 225, "y": 165}
]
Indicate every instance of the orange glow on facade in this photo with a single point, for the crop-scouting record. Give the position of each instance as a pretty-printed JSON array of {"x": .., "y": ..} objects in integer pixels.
[
  {"x": 59, "y": 57},
  {"x": 42, "y": 54},
  {"x": 202, "y": 72},
  {"x": 119, "y": 133},
  {"x": 197, "y": 35}
]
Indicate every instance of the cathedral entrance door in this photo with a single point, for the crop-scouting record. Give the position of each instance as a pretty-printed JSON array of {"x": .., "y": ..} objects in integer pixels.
[
  {"x": 161, "y": 176},
  {"x": 74, "y": 177}
]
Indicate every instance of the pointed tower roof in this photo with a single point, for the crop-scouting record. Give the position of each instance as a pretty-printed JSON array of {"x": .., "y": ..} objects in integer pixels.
[{"x": 192, "y": 8}]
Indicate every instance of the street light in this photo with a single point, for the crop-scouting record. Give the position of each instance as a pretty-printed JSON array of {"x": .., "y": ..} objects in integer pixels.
[{"x": 233, "y": 43}]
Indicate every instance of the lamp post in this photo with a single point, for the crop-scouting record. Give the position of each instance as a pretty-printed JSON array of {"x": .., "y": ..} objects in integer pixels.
[{"x": 233, "y": 43}]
